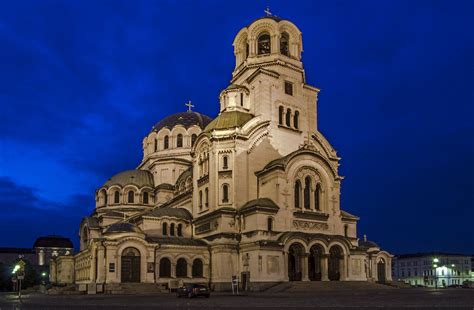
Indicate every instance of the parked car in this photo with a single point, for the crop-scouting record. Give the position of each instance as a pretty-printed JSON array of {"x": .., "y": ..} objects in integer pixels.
[
  {"x": 454, "y": 285},
  {"x": 467, "y": 284},
  {"x": 193, "y": 290}
]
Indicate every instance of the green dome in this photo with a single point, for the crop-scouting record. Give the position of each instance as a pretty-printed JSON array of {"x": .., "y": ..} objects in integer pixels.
[{"x": 227, "y": 120}]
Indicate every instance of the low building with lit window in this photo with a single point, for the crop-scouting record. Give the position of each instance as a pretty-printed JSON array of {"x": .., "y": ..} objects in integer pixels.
[
  {"x": 253, "y": 193},
  {"x": 432, "y": 269}
]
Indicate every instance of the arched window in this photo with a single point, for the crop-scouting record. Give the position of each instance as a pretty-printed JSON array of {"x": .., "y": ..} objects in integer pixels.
[
  {"x": 269, "y": 224},
  {"x": 225, "y": 162},
  {"x": 179, "y": 140},
  {"x": 180, "y": 230},
  {"x": 317, "y": 197},
  {"x": 165, "y": 229},
  {"x": 247, "y": 50},
  {"x": 295, "y": 119},
  {"x": 145, "y": 197},
  {"x": 280, "y": 115},
  {"x": 225, "y": 193},
  {"x": 172, "y": 229},
  {"x": 241, "y": 99},
  {"x": 264, "y": 44},
  {"x": 166, "y": 142},
  {"x": 193, "y": 139},
  {"x": 105, "y": 197},
  {"x": 156, "y": 145},
  {"x": 197, "y": 268},
  {"x": 131, "y": 197},
  {"x": 181, "y": 268},
  {"x": 165, "y": 268},
  {"x": 288, "y": 117},
  {"x": 307, "y": 192},
  {"x": 297, "y": 194},
  {"x": 206, "y": 192},
  {"x": 284, "y": 44},
  {"x": 345, "y": 230},
  {"x": 116, "y": 197},
  {"x": 200, "y": 199},
  {"x": 85, "y": 237}
]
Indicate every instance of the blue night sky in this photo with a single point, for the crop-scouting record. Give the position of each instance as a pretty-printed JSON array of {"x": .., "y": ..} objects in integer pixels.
[{"x": 82, "y": 82}]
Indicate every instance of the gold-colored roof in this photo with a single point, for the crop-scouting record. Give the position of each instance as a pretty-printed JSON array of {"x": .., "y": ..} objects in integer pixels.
[{"x": 227, "y": 120}]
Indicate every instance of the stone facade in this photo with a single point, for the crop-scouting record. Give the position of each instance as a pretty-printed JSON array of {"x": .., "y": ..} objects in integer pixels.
[{"x": 254, "y": 193}]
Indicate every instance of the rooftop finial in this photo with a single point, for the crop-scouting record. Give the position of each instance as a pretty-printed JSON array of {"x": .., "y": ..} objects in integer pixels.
[
  {"x": 189, "y": 105},
  {"x": 365, "y": 237},
  {"x": 267, "y": 11}
]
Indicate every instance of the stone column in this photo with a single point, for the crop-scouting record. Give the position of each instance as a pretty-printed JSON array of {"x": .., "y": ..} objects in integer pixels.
[
  {"x": 342, "y": 268},
  {"x": 189, "y": 270},
  {"x": 173, "y": 270},
  {"x": 324, "y": 267},
  {"x": 252, "y": 48},
  {"x": 100, "y": 277},
  {"x": 274, "y": 44},
  {"x": 285, "y": 266},
  {"x": 304, "y": 269}
]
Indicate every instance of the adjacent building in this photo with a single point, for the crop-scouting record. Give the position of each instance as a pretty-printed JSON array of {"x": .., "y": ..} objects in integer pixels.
[
  {"x": 252, "y": 194},
  {"x": 432, "y": 269}
]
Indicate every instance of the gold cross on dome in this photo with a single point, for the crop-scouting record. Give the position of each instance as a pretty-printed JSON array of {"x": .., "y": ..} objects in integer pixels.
[
  {"x": 267, "y": 11},
  {"x": 189, "y": 105}
]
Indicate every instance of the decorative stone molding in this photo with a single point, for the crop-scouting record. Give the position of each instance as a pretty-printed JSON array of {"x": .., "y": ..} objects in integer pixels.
[{"x": 305, "y": 225}]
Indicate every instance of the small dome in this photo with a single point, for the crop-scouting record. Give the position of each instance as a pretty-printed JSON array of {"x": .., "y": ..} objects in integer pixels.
[
  {"x": 186, "y": 119},
  {"x": 228, "y": 120},
  {"x": 53, "y": 242},
  {"x": 139, "y": 178},
  {"x": 123, "y": 227},
  {"x": 368, "y": 244},
  {"x": 275, "y": 18}
]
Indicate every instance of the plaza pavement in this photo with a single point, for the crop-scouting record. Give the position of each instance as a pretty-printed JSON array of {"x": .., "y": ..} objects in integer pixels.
[{"x": 409, "y": 298}]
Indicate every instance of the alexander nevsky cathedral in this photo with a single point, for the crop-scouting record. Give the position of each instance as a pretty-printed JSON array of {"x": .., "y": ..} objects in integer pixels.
[{"x": 253, "y": 194}]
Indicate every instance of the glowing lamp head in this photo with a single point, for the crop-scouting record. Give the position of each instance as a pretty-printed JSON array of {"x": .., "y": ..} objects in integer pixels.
[
  {"x": 436, "y": 260},
  {"x": 436, "y": 266}
]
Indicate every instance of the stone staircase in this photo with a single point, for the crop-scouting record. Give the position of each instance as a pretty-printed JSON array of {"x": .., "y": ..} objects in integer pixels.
[
  {"x": 63, "y": 290},
  {"x": 315, "y": 286},
  {"x": 135, "y": 289}
]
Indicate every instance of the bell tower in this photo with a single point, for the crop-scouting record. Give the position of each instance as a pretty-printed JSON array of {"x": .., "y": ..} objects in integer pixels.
[{"x": 268, "y": 80}]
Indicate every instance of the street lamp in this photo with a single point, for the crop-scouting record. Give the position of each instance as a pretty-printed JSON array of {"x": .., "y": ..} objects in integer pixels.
[{"x": 435, "y": 265}]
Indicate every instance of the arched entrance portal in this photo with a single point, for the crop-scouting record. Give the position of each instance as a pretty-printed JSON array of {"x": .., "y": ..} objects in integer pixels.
[
  {"x": 381, "y": 271},
  {"x": 336, "y": 255},
  {"x": 295, "y": 258},
  {"x": 130, "y": 270},
  {"x": 315, "y": 262}
]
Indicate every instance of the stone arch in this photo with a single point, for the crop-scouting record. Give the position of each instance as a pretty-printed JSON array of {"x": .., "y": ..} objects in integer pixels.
[
  {"x": 140, "y": 245},
  {"x": 164, "y": 269},
  {"x": 182, "y": 267},
  {"x": 317, "y": 253},
  {"x": 295, "y": 254},
  {"x": 336, "y": 264},
  {"x": 197, "y": 268}
]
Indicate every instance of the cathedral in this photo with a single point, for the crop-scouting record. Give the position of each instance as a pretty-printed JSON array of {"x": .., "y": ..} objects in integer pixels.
[{"x": 252, "y": 195}]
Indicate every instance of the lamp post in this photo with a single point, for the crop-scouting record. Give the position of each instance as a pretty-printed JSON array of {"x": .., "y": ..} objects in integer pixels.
[{"x": 435, "y": 265}]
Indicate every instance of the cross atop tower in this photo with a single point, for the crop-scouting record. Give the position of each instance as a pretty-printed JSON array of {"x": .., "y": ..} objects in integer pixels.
[
  {"x": 189, "y": 105},
  {"x": 267, "y": 11}
]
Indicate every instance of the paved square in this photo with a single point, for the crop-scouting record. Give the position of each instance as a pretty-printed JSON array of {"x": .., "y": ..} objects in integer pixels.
[{"x": 413, "y": 298}]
